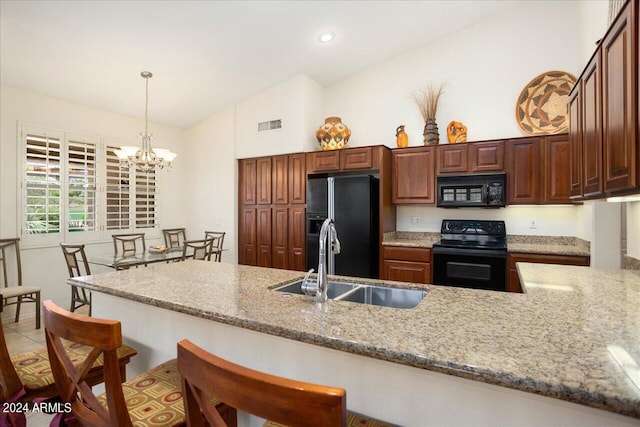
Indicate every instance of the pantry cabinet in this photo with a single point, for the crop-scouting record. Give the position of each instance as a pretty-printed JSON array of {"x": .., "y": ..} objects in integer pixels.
[{"x": 271, "y": 225}]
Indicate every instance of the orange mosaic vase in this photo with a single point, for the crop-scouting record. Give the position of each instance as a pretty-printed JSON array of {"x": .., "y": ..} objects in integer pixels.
[{"x": 333, "y": 134}]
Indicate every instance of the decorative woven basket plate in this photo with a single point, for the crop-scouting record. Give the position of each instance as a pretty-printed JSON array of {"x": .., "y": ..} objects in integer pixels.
[{"x": 542, "y": 105}]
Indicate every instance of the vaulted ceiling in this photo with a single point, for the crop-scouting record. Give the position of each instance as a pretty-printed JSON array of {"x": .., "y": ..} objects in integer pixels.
[{"x": 207, "y": 55}]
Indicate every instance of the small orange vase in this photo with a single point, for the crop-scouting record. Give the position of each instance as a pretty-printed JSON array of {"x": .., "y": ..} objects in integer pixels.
[{"x": 402, "y": 139}]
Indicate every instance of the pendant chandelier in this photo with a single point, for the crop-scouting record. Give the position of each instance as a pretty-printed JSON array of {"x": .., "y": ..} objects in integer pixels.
[{"x": 145, "y": 158}]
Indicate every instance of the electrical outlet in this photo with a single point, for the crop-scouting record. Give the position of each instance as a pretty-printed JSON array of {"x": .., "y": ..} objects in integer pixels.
[
  {"x": 533, "y": 223},
  {"x": 415, "y": 220}
]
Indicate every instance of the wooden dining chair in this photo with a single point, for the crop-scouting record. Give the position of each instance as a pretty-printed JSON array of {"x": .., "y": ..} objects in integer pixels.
[
  {"x": 78, "y": 266},
  {"x": 218, "y": 241},
  {"x": 174, "y": 237},
  {"x": 27, "y": 376},
  {"x": 197, "y": 249},
  {"x": 152, "y": 398},
  {"x": 13, "y": 292},
  {"x": 129, "y": 244},
  {"x": 284, "y": 402}
]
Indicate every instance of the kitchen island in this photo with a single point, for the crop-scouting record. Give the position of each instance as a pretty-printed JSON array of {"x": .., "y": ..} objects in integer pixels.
[{"x": 461, "y": 357}]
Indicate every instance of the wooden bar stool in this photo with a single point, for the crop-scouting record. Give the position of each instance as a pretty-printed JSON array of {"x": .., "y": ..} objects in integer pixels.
[
  {"x": 27, "y": 376},
  {"x": 152, "y": 398},
  {"x": 283, "y": 401}
]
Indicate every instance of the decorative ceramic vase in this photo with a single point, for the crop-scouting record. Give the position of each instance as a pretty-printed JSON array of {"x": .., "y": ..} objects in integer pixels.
[
  {"x": 456, "y": 132},
  {"x": 402, "y": 139},
  {"x": 431, "y": 135},
  {"x": 333, "y": 134}
]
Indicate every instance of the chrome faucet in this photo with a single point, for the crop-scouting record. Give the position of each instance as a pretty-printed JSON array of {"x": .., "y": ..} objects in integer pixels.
[
  {"x": 327, "y": 225},
  {"x": 319, "y": 286}
]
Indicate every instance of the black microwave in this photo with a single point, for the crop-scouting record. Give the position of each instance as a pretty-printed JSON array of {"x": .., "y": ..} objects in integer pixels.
[{"x": 477, "y": 190}]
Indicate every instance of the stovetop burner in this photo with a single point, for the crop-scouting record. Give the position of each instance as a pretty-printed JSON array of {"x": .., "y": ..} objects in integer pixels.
[{"x": 473, "y": 234}]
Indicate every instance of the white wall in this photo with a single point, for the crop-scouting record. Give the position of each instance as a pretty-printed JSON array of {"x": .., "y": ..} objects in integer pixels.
[
  {"x": 211, "y": 180},
  {"x": 291, "y": 101},
  {"x": 45, "y": 267},
  {"x": 484, "y": 68}
]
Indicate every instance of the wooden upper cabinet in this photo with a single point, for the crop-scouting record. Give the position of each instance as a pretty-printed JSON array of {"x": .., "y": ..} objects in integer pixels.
[
  {"x": 474, "y": 157},
  {"x": 263, "y": 184},
  {"x": 576, "y": 140},
  {"x": 347, "y": 159},
  {"x": 356, "y": 158},
  {"x": 248, "y": 181},
  {"x": 591, "y": 129},
  {"x": 452, "y": 158},
  {"x": 523, "y": 186},
  {"x": 297, "y": 179},
  {"x": 619, "y": 101},
  {"x": 323, "y": 161},
  {"x": 280, "y": 180},
  {"x": 557, "y": 174},
  {"x": 413, "y": 175},
  {"x": 486, "y": 156}
]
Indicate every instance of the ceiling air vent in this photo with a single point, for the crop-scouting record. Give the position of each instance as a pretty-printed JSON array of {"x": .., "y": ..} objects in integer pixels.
[{"x": 272, "y": 125}]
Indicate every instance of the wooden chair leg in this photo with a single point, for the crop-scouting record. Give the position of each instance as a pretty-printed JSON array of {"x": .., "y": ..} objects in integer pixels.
[{"x": 38, "y": 310}]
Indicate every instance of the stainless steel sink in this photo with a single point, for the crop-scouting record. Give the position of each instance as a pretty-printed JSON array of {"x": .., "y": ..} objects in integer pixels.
[
  {"x": 383, "y": 296},
  {"x": 334, "y": 289},
  {"x": 364, "y": 294}
]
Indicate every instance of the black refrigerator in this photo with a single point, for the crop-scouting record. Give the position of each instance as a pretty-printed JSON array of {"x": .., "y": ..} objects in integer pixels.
[{"x": 352, "y": 201}]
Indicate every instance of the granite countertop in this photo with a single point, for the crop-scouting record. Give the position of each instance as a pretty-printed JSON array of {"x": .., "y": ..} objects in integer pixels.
[
  {"x": 552, "y": 340},
  {"x": 553, "y": 245}
]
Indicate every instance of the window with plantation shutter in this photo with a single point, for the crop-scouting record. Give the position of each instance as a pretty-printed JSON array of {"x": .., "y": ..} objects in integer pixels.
[
  {"x": 82, "y": 193},
  {"x": 74, "y": 189},
  {"x": 118, "y": 193},
  {"x": 42, "y": 183},
  {"x": 145, "y": 199}
]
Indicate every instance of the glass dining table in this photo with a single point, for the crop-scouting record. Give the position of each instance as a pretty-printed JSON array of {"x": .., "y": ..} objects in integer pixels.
[{"x": 121, "y": 262}]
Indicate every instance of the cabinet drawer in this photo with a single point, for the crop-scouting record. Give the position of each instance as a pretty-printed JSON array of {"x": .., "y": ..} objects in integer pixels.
[
  {"x": 404, "y": 253},
  {"x": 407, "y": 271},
  {"x": 356, "y": 158}
]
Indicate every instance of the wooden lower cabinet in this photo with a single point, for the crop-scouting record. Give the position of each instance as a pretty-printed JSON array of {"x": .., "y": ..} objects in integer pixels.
[
  {"x": 280, "y": 237},
  {"x": 297, "y": 259},
  {"x": 263, "y": 236},
  {"x": 515, "y": 257},
  {"x": 407, "y": 264},
  {"x": 248, "y": 248}
]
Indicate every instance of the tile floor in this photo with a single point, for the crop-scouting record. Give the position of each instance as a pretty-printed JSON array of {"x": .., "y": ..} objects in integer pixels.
[{"x": 22, "y": 337}]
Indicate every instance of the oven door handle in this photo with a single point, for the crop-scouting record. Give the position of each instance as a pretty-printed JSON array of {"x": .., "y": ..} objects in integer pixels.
[{"x": 488, "y": 253}]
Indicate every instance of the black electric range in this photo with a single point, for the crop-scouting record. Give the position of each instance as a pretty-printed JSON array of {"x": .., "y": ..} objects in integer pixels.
[{"x": 471, "y": 254}]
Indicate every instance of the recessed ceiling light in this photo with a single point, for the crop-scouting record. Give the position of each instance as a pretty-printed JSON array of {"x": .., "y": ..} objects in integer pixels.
[{"x": 326, "y": 37}]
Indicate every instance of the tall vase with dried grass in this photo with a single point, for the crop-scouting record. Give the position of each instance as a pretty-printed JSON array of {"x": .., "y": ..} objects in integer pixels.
[{"x": 427, "y": 101}]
